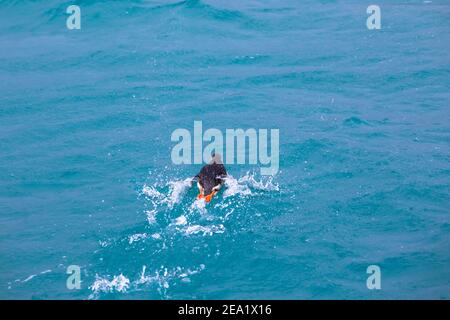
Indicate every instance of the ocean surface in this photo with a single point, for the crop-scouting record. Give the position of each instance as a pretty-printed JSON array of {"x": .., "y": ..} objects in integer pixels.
[{"x": 86, "y": 176}]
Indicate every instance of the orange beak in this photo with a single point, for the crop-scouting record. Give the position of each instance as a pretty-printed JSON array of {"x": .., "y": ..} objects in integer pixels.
[{"x": 208, "y": 197}]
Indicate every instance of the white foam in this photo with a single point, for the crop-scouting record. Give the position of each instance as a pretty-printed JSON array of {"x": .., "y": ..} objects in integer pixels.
[
  {"x": 205, "y": 230},
  {"x": 156, "y": 236},
  {"x": 198, "y": 205},
  {"x": 151, "y": 216},
  {"x": 244, "y": 185},
  {"x": 263, "y": 184},
  {"x": 146, "y": 279},
  {"x": 163, "y": 275},
  {"x": 181, "y": 220},
  {"x": 29, "y": 278},
  {"x": 119, "y": 283},
  {"x": 152, "y": 192},
  {"x": 34, "y": 275},
  {"x": 233, "y": 187},
  {"x": 137, "y": 237},
  {"x": 178, "y": 190},
  {"x": 104, "y": 243}
]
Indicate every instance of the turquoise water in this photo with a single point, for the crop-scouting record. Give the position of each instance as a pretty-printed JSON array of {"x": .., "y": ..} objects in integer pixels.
[{"x": 86, "y": 176}]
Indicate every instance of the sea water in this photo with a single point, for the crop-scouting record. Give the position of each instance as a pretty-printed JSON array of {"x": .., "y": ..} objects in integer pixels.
[{"x": 86, "y": 177}]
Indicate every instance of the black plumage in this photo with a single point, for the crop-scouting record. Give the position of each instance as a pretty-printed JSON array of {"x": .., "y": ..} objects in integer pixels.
[{"x": 210, "y": 176}]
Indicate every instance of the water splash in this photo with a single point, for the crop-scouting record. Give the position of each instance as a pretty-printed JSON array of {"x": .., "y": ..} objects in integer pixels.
[
  {"x": 204, "y": 230},
  {"x": 119, "y": 283},
  {"x": 244, "y": 185},
  {"x": 176, "y": 218},
  {"x": 162, "y": 277},
  {"x": 177, "y": 190}
]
